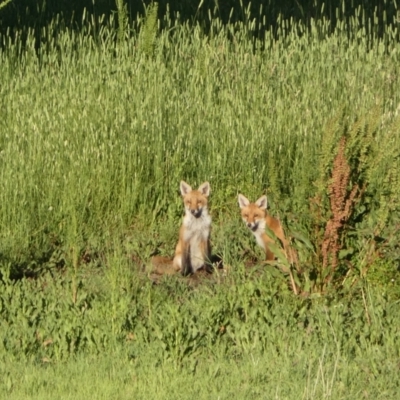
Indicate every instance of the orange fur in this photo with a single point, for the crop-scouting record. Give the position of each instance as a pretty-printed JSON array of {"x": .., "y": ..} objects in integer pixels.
[
  {"x": 162, "y": 265},
  {"x": 193, "y": 249},
  {"x": 256, "y": 219}
]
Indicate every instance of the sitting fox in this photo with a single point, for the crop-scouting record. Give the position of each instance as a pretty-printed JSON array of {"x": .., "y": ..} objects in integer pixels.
[
  {"x": 256, "y": 218},
  {"x": 193, "y": 249}
]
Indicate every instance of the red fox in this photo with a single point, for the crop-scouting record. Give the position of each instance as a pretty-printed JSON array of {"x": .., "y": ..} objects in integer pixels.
[
  {"x": 255, "y": 217},
  {"x": 193, "y": 249}
]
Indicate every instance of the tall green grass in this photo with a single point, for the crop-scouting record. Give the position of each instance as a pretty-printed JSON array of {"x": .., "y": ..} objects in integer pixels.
[{"x": 94, "y": 135}]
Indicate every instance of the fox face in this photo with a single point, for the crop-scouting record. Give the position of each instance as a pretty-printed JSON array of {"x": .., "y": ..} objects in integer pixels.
[
  {"x": 195, "y": 201},
  {"x": 256, "y": 218},
  {"x": 253, "y": 214}
]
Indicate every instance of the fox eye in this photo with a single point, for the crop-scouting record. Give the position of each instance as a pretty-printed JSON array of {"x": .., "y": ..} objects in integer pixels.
[{"x": 245, "y": 215}]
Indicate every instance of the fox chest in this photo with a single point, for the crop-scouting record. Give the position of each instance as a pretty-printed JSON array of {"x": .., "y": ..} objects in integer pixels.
[
  {"x": 196, "y": 229},
  {"x": 196, "y": 235},
  {"x": 260, "y": 235},
  {"x": 259, "y": 239}
]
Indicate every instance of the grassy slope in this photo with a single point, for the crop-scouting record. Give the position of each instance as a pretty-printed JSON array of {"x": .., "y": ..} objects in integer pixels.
[
  {"x": 309, "y": 376},
  {"x": 245, "y": 336}
]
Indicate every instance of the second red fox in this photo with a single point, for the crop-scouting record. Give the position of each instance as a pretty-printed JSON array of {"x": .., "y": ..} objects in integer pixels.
[
  {"x": 256, "y": 218},
  {"x": 193, "y": 250}
]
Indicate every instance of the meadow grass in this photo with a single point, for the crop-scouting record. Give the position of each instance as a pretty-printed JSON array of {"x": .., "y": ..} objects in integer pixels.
[
  {"x": 322, "y": 376},
  {"x": 96, "y": 134},
  {"x": 243, "y": 337}
]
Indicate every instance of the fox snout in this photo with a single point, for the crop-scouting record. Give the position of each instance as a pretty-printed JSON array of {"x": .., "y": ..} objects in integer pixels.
[
  {"x": 252, "y": 225},
  {"x": 196, "y": 212}
]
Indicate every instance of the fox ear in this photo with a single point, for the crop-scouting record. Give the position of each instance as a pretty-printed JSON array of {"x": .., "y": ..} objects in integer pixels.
[
  {"x": 205, "y": 189},
  {"x": 185, "y": 188},
  {"x": 262, "y": 202},
  {"x": 243, "y": 201}
]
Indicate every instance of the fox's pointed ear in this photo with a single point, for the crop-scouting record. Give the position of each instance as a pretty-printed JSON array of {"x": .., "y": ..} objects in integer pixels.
[
  {"x": 243, "y": 201},
  {"x": 185, "y": 188},
  {"x": 262, "y": 202},
  {"x": 205, "y": 189}
]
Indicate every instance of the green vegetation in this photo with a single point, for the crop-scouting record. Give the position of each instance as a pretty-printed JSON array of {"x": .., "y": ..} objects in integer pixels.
[
  {"x": 122, "y": 19},
  {"x": 96, "y": 133},
  {"x": 246, "y": 336},
  {"x": 4, "y": 3}
]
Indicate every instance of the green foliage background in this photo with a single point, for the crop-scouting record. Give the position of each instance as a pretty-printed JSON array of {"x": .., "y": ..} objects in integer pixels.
[
  {"x": 28, "y": 11},
  {"x": 96, "y": 134}
]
